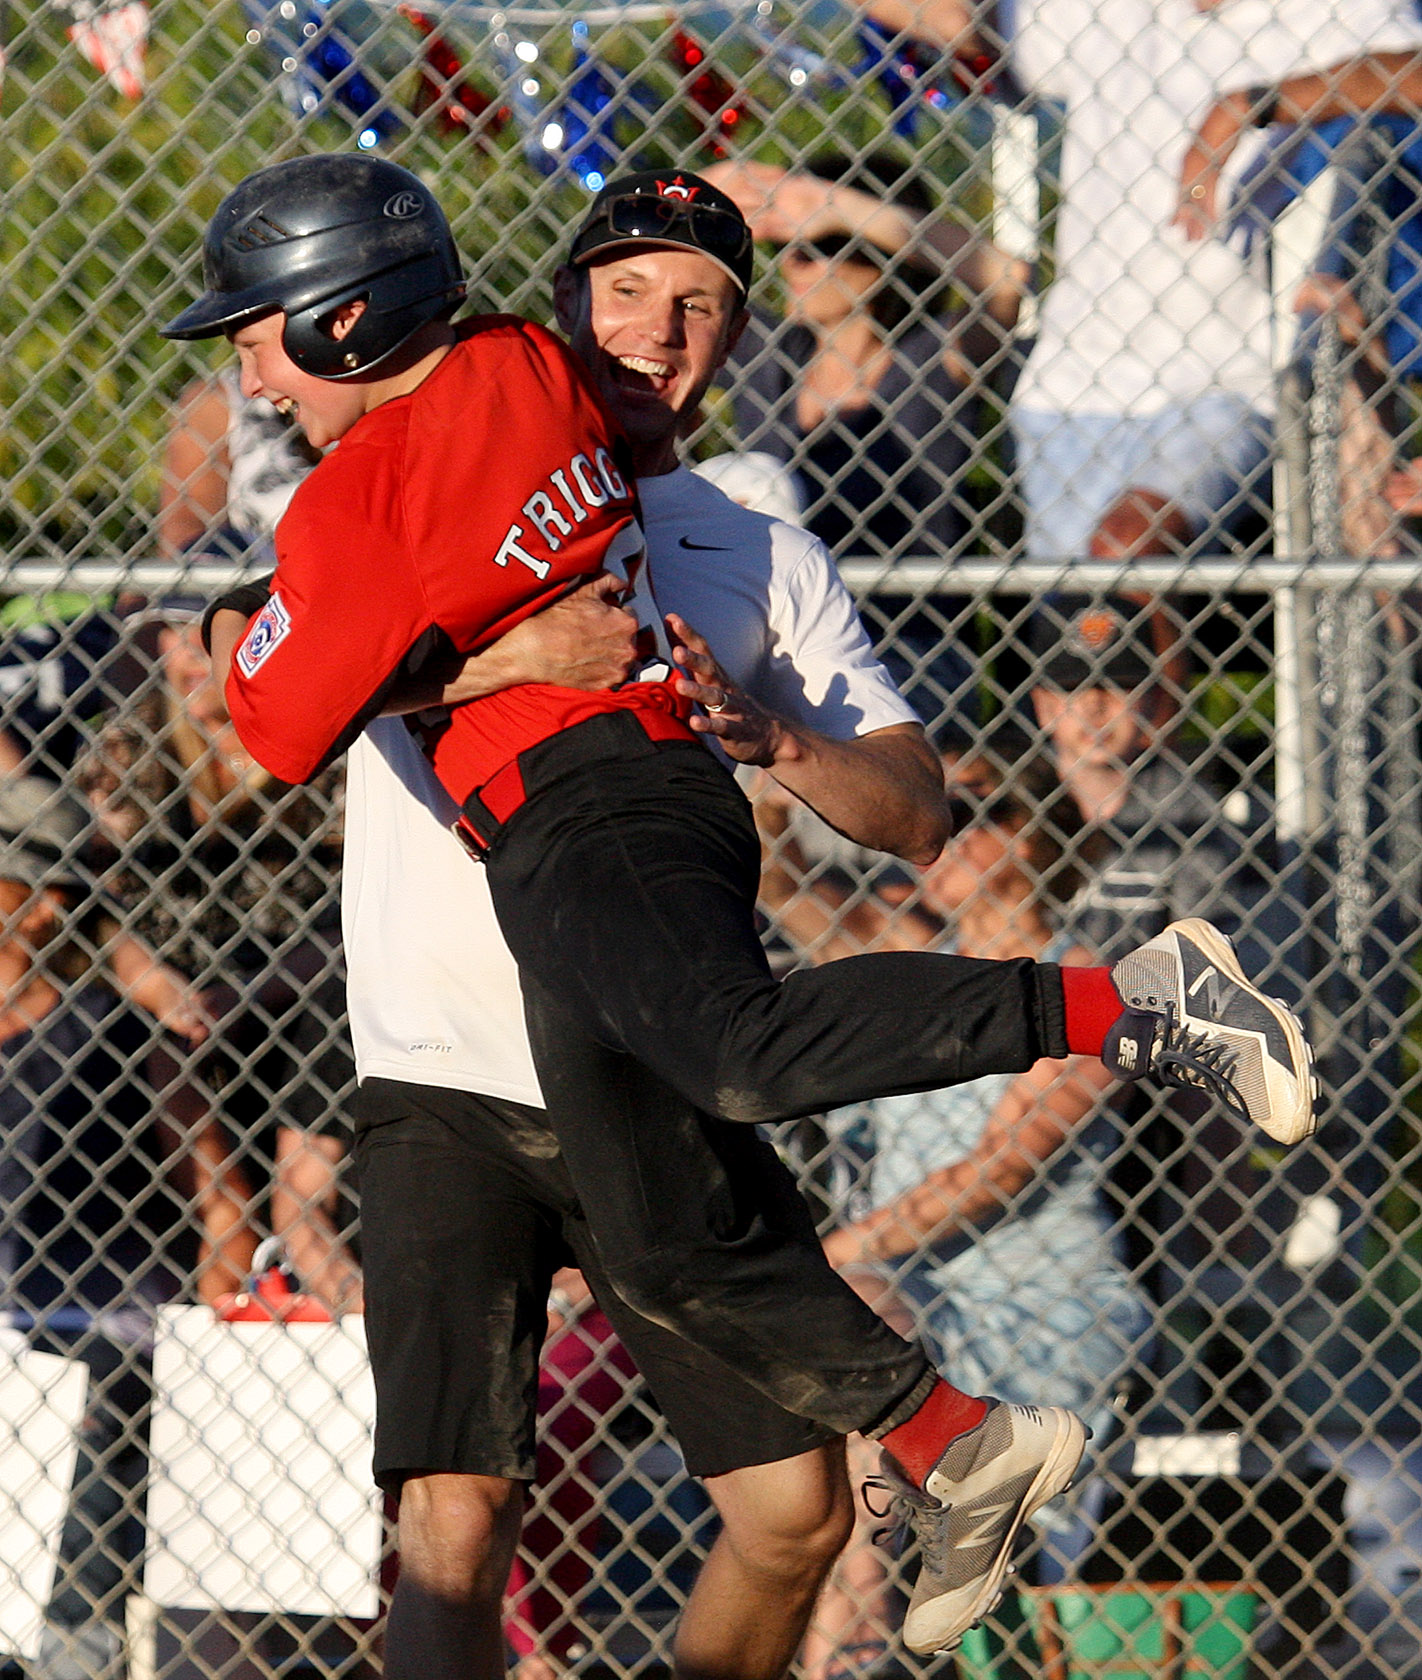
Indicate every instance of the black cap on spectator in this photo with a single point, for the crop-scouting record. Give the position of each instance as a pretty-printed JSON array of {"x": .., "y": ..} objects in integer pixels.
[
  {"x": 40, "y": 827},
  {"x": 1083, "y": 642},
  {"x": 668, "y": 207}
]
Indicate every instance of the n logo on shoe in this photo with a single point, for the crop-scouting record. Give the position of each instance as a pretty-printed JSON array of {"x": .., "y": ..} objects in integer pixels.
[
  {"x": 985, "y": 1525},
  {"x": 1219, "y": 991}
]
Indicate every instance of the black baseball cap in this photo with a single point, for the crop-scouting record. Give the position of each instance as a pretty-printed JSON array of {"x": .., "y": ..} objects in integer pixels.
[
  {"x": 1101, "y": 642},
  {"x": 668, "y": 207}
]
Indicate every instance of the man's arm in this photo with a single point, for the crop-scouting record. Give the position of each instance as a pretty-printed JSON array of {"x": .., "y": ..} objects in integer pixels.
[
  {"x": 586, "y": 641},
  {"x": 783, "y": 205},
  {"x": 954, "y": 24},
  {"x": 883, "y": 789},
  {"x": 304, "y": 1198},
  {"x": 1035, "y": 1116},
  {"x": 1362, "y": 88}
]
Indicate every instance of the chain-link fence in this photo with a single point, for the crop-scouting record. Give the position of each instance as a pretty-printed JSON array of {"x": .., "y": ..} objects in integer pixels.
[{"x": 1109, "y": 431}]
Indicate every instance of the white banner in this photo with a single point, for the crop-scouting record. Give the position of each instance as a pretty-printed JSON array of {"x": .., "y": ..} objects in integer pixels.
[
  {"x": 260, "y": 1494},
  {"x": 42, "y": 1399}
]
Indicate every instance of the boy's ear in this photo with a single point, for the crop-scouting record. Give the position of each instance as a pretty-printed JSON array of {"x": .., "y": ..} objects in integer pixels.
[{"x": 340, "y": 321}]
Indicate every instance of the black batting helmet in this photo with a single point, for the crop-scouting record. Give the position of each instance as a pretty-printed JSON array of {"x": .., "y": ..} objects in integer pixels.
[{"x": 311, "y": 234}]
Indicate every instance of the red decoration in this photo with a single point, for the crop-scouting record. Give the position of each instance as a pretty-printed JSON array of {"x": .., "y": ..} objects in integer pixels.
[
  {"x": 267, "y": 1297},
  {"x": 709, "y": 90},
  {"x": 974, "y": 72},
  {"x": 462, "y": 108},
  {"x": 114, "y": 38}
]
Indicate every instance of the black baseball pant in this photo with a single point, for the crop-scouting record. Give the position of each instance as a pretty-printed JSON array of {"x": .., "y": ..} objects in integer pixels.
[{"x": 625, "y": 887}]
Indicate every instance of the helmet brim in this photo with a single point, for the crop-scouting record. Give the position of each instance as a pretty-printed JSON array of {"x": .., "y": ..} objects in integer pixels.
[{"x": 218, "y": 312}]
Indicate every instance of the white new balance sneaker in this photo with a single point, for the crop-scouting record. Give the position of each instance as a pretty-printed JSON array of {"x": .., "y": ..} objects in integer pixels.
[
  {"x": 969, "y": 1512},
  {"x": 1194, "y": 1020}
]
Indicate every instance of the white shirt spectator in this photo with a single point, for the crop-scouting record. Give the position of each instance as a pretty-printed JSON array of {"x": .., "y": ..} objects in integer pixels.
[{"x": 1138, "y": 318}]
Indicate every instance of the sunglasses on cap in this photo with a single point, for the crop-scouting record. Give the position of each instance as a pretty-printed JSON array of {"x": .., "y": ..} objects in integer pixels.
[{"x": 651, "y": 216}]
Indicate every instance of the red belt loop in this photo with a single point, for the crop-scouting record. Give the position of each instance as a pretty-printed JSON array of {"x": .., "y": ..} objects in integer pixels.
[
  {"x": 663, "y": 726},
  {"x": 504, "y": 792}
]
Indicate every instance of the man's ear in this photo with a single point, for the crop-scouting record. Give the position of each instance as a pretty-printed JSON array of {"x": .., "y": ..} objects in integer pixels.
[
  {"x": 738, "y": 325},
  {"x": 567, "y": 288}
]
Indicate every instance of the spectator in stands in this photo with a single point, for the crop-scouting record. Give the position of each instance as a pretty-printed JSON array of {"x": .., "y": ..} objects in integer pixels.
[
  {"x": 1161, "y": 839},
  {"x": 977, "y": 1219},
  {"x": 86, "y": 1227},
  {"x": 867, "y": 389},
  {"x": 1167, "y": 839},
  {"x": 231, "y": 877},
  {"x": 231, "y": 465},
  {"x": 55, "y": 656},
  {"x": 1142, "y": 415}
]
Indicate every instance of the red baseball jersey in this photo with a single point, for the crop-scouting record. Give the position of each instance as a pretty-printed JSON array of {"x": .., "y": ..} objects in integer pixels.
[{"x": 441, "y": 519}]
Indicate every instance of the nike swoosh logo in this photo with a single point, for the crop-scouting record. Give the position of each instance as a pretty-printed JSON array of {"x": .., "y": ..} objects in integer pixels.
[{"x": 706, "y": 548}]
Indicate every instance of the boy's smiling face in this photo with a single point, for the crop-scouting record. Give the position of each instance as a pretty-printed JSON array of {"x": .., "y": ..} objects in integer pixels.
[{"x": 326, "y": 409}]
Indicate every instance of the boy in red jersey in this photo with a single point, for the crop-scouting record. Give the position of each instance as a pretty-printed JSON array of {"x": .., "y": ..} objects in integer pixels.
[{"x": 620, "y": 855}]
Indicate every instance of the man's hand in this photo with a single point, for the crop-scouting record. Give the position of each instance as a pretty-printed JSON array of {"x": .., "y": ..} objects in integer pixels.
[
  {"x": 587, "y": 640},
  {"x": 747, "y": 732},
  {"x": 782, "y": 206},
  {"x": 1404, "y": 490},
  {"x": 171, "y": 999},
  {"x": 1197, "y": 208}
]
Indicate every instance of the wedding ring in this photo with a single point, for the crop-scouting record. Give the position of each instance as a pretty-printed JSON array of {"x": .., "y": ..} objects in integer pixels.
[
  {"x": 720, "y": 705},
  {"x": 1198, "y": 190}
]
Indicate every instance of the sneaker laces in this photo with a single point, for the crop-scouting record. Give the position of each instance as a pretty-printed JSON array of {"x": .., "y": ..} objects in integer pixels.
[
  {"x": 903, "y": 1501},
  {"x": 1201, "y": 1060}
]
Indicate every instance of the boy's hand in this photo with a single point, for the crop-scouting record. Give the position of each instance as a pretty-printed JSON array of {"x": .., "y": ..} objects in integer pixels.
[{"x": 587, "y": 640}]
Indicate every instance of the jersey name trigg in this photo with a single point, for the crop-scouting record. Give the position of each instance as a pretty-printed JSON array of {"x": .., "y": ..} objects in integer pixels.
[{"x": 568, "y": 497}]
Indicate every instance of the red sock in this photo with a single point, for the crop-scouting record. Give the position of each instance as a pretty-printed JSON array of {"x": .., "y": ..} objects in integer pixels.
[
  {"x": 1093, "y": 1007},
  {"x": 919, "y": 1441}
]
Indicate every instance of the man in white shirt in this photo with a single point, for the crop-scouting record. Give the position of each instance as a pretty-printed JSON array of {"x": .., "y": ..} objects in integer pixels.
[
  {"x": 1142, "y": 418},
  {"x": 448, "y": 1080}
]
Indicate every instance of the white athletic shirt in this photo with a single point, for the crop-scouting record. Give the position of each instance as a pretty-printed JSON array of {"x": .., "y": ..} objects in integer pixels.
[
  {"x": 1138, "y": 317},
  {"x": 265, "y": 461},
  {"x": 434, "y": 993}
]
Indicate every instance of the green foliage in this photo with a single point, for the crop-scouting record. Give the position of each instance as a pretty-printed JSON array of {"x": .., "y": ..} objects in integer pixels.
[{"x": 106, "y": 201}]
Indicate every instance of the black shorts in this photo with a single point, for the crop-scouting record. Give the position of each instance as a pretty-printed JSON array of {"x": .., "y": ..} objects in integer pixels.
[{"x": 466, "y": 1212}]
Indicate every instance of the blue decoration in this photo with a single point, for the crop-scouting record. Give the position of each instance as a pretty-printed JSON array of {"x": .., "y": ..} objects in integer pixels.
[
  {"x": 1295, "y": 157},
  {"x": 891, "y": 62},
  {"x": 320, "y": 64},
  {"x": 588, "y": 116},
  {"x": 528, "y": 100},
  {"x": 576, "y": 133},
  {"x": 796, "y": 64}
]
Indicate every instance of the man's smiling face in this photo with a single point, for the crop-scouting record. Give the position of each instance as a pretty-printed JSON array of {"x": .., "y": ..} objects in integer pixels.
[{"x": 652, "y": 324}]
